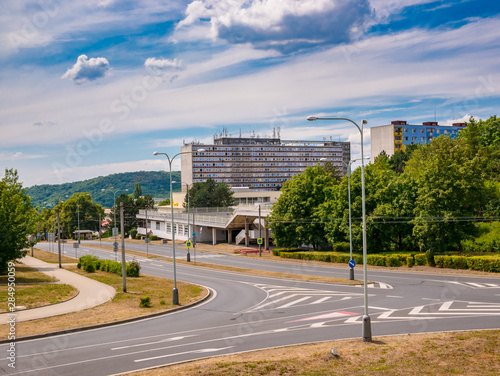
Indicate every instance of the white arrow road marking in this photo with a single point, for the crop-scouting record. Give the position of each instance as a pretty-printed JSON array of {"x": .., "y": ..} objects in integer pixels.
[
  {"x": 151, "y": 343},
  {"x": 183, "y": 353}
]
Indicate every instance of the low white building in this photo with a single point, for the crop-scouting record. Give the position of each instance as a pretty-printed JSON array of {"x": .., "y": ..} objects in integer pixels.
[{"x": 240, "y": 224}]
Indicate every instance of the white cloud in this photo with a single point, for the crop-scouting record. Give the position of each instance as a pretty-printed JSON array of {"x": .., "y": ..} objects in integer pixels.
[
  {"x": 463, "y": 119},
  {"x": 163, "y": 67},
  {"x": 13, "y": 156},
  {"x": 86, "y": 69},
  {"x": 284, "y": 25}
]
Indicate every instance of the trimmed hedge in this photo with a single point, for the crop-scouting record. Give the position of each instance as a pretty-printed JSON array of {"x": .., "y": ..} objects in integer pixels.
[
  {"x": 420, "y": 259},
  {"x": 92, "y": 263},
  {"x": 481, "y": 263}
]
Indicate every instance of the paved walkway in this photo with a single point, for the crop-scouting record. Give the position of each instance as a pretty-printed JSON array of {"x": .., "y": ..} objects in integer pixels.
[{"x": 91, "y": 293}]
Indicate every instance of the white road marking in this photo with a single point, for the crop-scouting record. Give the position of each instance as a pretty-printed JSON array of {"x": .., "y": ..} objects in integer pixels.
[
  {"x": 185, "y": 352},
  {"x": 294, "y": 302}
]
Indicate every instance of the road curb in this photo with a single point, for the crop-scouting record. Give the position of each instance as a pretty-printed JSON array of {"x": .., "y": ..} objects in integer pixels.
[{"x": 75, "y": 330}]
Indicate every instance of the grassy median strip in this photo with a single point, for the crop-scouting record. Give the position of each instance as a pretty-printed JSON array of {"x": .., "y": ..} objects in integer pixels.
[
  {"x": 123, "y": 306},
  {"x": 263, "y": 273},
  {"x": 51, "y": 257},
  {"x": 34, "y": 289},
  {"x": 461, "y": 353}
]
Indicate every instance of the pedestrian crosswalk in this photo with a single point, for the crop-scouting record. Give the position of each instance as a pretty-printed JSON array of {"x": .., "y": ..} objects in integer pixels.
[
  {"x": 477, "y": 285},
  {"x": 280, "y": 297}
]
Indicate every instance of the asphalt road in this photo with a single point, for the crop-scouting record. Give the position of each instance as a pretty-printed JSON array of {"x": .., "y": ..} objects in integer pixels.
[{"x": 249, "y": 312}]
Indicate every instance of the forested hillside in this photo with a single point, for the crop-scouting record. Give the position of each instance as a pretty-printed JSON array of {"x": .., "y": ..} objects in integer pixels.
[{"x": 154, "y": 183}]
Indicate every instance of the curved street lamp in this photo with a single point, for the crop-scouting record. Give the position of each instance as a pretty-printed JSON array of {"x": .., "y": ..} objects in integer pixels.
[
  {"x": 175, "y": 293},
  {"x": 367, "y": 332}
]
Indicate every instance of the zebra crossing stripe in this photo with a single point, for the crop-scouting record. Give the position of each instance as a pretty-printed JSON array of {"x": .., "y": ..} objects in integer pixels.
[{"x": 294, "y": 302}]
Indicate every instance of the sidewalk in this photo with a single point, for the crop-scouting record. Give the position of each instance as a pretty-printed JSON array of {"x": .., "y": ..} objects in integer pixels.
[{"x": 90, "y": 293}]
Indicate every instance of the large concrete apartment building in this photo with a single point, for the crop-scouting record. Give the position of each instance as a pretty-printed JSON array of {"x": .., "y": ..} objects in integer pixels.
[
  {"x": 257, "y": 163},
  {"x": 399, "y": 134}
]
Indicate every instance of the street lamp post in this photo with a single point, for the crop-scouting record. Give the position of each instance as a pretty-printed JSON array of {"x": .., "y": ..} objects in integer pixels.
[
  {"x": 367, "y": 332},
  {"x": 175, "y": 293},
  {"x": 188, "y": 256},
  {"x": 115, "y": 229},
  {"x": 348, "y": 165}
]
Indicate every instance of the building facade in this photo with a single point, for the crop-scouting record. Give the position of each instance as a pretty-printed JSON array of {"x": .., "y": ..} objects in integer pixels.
[
  {"x": 257, "y": 163},
  {"x": 399, "y": 134}
]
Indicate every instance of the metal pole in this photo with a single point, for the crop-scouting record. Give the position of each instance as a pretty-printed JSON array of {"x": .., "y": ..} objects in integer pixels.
[
  {"x": 175, "y": 293},
  {"x": 188, "y": 257},
  {"x": 114, "y": 223},
  {"x": 351, "y": 271},
  {"x": 78, "y": 216},
  {"x": 124, "y": 269},
  {"x": 100, "y": 223},
  {"x": 147, "y": 237},
  {"x": 260, "y": 235},
  {"x": 366, "y": 331},
  {"x": 59, "y": 238}
]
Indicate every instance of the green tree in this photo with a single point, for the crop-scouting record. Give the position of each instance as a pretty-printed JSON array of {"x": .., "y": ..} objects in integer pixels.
[
  {"x": 209, "y": 194},
  {"x": 450, "y": 190},
  {"x": 137, "y": 190},
  {"x": 17, "y": 219},
  {"x": 79, "y": 205},
  {"x": 130, "y": 211},
  {"x": 294, "y": 219}
]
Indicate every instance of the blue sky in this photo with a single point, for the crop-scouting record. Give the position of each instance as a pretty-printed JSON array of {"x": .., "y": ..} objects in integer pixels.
[{"x": 94, "y": 87}]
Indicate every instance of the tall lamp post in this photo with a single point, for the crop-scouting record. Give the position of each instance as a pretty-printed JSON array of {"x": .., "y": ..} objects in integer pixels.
[
  {"x": 115, "y": 229},
  {"x": 367, "y": 331},
  {"x": 348, "y": 166},
  {"x": 175, "y": 293}
]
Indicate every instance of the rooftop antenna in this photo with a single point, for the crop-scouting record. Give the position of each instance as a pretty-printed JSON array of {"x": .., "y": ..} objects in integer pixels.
[{"x": 240, "y": 132}]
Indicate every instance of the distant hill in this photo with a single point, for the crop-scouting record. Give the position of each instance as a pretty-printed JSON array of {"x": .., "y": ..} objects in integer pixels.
[{"x": 154, "y": 183}]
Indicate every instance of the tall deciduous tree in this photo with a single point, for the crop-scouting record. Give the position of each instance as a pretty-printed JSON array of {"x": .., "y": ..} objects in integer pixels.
[
  {"x": 17, "y": 219},
  {"x": 294, "y": 219},
  {"x": 80, "y": 205},
  {"x": 450, "y": 189},
  {"x": 209, "y": 194}
]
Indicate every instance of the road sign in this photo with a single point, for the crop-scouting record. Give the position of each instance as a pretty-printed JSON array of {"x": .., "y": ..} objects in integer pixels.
[
  {"x": 115, "y": 231},
  {"x": 115, "y": 246},
  {"x": 259, "y": 241},
  {"x": 194, "y": 233},
  {"x": 52, "y": 237},
  {"x": 147, "y": 240},
  {"x": 352, "y": 264},
  {"x": 75, "y": 245},
  {"x": 189, "y": 244}
]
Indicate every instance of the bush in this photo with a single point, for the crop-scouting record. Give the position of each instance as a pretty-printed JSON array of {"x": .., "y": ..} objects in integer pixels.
[
  {"x": 420, "y": 259},
  {"x": 89, "y": 268},
  {"x": 153, "y": 237},
  {"x": 459, "y": 262},
  {"x": 484, "y": 263},
  {"x": 393, "y": 260},
  {"x": 410, "y": 261},
  {"x": 88, "y": 263},
  {"x": 377, "y": 260},
  {"x": 132, "y": 269},
  {"x": 92, "y": 263},
  {"x": 145, "y": 302},
  {"x": 133, "y": 233}
]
